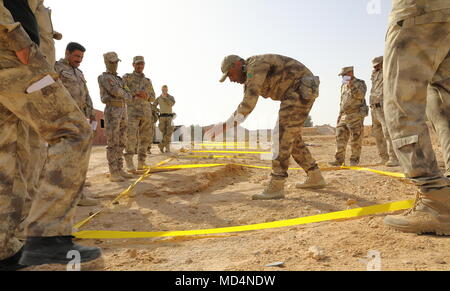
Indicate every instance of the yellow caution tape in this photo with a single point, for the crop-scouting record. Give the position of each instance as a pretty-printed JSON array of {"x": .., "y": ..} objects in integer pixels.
[
  {"x": 232, "y": 152},
  {"x": 121, "y": 195},
  {"x": 347, "y": 214},
  {"x": 391, "y": 174}
]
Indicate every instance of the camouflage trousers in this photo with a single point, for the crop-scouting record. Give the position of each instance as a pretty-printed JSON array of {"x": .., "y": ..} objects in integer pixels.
[
  {"x": 350, "y": 127},
  {"x": 409, "y": 47},
  {"x": 288, "y": 140},
  {"x": 116, "y": 131},
  {"x": 53, "y": 114},
  {"x": 166, "y": 128},
  {"x": 139, "y": 136},
  {"x": 381, "y": 134}
]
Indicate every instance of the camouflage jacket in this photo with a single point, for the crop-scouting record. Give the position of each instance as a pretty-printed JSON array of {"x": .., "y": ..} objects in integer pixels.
[
  {"x": 426, "y": 10},
  {"x": 46, "y": 31},
  {"x": 138, "y": 82},
  {"x": 165, "y": 104},
  {"x": 112, "y": 89},
  {"x": 12, "y": 35},
  {"x": 376, "y": 95},
  {"x": 353, "y": 98},
  {"x": 74, "y": 81},
  {"x": 270, "y": 76}
]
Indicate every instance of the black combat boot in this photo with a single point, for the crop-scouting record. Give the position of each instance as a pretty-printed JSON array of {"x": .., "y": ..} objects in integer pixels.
[
  {"x": 54, "y": 250},
  {"x": 12, "y": 263}
]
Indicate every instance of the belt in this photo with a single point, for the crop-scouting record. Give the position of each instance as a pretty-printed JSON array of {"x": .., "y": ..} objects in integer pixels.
[
  {"x": 166, "y": 115},
  {"x": 116, "y": 104}
]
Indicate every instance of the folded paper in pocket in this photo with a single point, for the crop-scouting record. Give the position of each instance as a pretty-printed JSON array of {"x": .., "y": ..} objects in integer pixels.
[{"x": 41, "y": 84}]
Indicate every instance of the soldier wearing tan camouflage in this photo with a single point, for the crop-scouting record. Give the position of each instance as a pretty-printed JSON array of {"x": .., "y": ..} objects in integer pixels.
[
  {"x": 165, "y": 103},
  {"x": 114, "y": 94},
  {"x": 53, "y": 114},
  {"x": 281, "y": 79},
  {"x": 417, "y": 63},
  {"x": 350, "y": 123},
  {"x": 73, "y": 79},
  {"x": 140, "y": 118},
  {"x": 379, "y": 128}
]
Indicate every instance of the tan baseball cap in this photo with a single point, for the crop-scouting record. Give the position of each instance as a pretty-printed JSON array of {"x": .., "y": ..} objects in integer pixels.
[
  {"x": 377, "y": 61},
  {"x": 111, "y": 57},
  {"x": 138, "y": 59},
  {"x": 227, "y": 63},
  {"x": 346, "y": 70}
]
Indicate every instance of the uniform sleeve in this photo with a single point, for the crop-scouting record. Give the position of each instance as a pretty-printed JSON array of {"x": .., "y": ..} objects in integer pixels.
[
  {"x": 150, "y": 91},
  {"x": 171, "y": 100},
  {"x": 113, "y": 89},
  {"x": 359, "y": 90},
  {"x": 89, "y": 104},
  {"x": 12, "y": 33},
  {"x": 256, "y": 75}
]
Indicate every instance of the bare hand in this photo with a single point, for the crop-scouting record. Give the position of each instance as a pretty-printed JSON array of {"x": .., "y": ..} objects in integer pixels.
[
  {"x": 214, "y": 132},
  {"x": 24, "y": 55}
]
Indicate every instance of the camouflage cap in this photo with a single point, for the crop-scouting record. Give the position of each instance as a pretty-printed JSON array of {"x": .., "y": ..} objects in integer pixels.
[
  {"x": 377, "y": 61},
  {"x": 346, "y": 70},
  {"x": 138, "y": 59},
  {"x": 227, "y": 64},
  {"x": 111, "y": 57}
]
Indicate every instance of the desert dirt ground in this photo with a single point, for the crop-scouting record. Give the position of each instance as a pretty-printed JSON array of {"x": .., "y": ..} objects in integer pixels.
[{"x": 221, "y": 197}]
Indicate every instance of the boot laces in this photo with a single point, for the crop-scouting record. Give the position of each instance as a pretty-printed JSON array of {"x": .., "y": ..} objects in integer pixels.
[{"x": 416, "y": 204}]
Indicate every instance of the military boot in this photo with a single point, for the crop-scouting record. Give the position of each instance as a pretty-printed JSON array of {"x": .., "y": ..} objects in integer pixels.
[
  {"x": 54, "y": 250},
  {"x": 354, "y": 163},
  {"x": 314, "y": 180},
  {"x": 116, "y": 177},
  {"x": 431, "y": 214},
  {"x": 142, "y": 166},
  {"x": 125, "y": 174},
  {"x": 12, "y": 263},
  {"x": 336, "y": 163},
  {"x": 392, "y": 163},
  {"x": 130, "y": 164},
  {"x": 87, "y": 202},
  {"x": 274, "y": 191}
]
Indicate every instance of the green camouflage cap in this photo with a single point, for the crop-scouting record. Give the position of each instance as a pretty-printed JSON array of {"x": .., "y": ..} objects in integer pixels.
[
  {"x": 227, "y": 64},
  {"x": 111, "y": 57},
  {"x": 138, "y": 59},
  {"x": 377, "y": 61},
  {"x": 346, "y": 70}
]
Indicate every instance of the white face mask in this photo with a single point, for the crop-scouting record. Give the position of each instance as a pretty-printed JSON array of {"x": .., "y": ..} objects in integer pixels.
[{"x": 346, "y": 79}]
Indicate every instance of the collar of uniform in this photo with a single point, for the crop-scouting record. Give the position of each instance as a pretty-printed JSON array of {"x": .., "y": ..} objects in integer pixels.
[{"x": 138, "y": 74}]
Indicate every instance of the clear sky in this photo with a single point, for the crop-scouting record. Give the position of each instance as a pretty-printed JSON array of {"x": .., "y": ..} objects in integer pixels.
[{"x": 185, "y": 41}]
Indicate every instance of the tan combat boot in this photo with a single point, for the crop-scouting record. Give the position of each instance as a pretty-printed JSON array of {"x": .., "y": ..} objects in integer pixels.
[
  {"x": 336, "y": 163},
  {"x": 431, "y": 214},
  {"x": 274, "y": 191},
  {"x": 125, "y": 174},
  {"x": 87, "y": 202},
  {"x": 392, "y": 163},
  {"x": 315, "y": 180},
  {"x": 142, "y": 166},
  {"x": 116, "y": 177},
  {"x": 129, "y": 163}
]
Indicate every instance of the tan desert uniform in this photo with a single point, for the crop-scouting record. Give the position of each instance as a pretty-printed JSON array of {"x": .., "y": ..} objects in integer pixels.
[
  {"x": 417, "y": 63},
  {"x": 114, "y": 95},
  {"x": 140, "y": 119},
  {"x": 379, "y": 128},
  {"x": 351, "y": 119},
  {"x": 166, "y": 127},
  {"x": 54, "y": 115},
  {"x": 75, "y": 82},
  {"x": 286, "y": 80}
]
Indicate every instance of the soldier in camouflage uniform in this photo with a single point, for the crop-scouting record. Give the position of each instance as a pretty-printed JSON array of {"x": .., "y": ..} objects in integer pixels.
[
  {"x": 165, "y": 103},
  {"x": 140, "y": 119},
  {"x": 53, "y": 114},
  {"x": 73, "y": 79},
  {"x": 417, "y": 63},
  {"x": 379, "y": 129},
  {"x": 351, "y": 118},
  {"x": 281, "y": 79},
  {"x": 114, "y": 94}
]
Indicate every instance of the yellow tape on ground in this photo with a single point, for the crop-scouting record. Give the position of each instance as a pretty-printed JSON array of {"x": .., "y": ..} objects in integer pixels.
[
  {"x": 347, "y": 214},
  {"x": 232, "y": 152},
  {"x": 121, "y": 195},
  {"x": 391, "y": 174}
]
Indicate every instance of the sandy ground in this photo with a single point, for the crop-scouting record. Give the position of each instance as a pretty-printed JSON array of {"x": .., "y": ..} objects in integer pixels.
[{"x": 221, "y": 197}]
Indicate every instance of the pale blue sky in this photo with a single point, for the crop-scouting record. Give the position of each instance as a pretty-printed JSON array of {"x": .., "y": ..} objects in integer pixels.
[{"x": 184, "y": 42}]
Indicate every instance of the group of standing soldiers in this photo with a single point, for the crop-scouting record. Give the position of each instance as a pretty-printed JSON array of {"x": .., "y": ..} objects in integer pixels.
[{"x": 131, "y": 113}]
